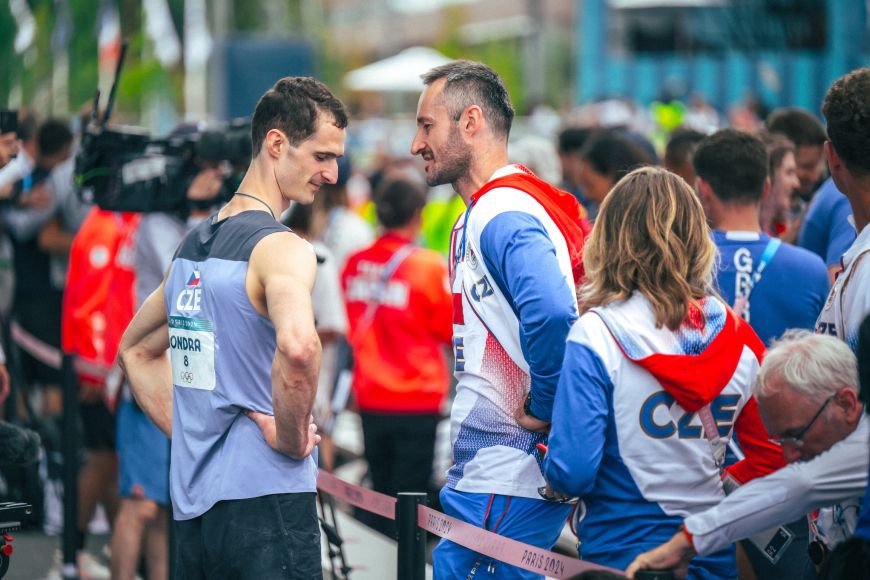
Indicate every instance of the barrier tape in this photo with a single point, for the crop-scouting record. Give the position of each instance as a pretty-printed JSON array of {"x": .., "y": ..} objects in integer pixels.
[
  {"x": 501, "y": 548},
  {"x": 360, "y": 497},
  {"x": 470, "y": 536}
]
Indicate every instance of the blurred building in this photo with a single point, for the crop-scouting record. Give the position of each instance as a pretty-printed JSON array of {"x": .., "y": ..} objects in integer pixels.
[
  {"x": 539, "y": 32},
  {"x": 784, "y": 52}
]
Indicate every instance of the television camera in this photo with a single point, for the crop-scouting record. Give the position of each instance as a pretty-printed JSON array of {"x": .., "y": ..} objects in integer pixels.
[{"x": 122, "y": 168}]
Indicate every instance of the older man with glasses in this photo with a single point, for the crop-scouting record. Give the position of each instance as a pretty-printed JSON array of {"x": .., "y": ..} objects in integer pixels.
[{"x": 807, "y": 392}]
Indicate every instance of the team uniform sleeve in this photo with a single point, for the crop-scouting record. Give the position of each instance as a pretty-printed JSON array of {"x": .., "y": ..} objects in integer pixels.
[
  {"x": 580, "y": 415},
  {"x": 785, "y": 495},
  {"x": 762, "y": 456},
  {"x": 522, "y": 261}
]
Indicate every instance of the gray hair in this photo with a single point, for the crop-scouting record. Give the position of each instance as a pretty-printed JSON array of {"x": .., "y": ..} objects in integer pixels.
[
  {"x": 474, "y": 83},
  {"x": 814, "y": 365}
]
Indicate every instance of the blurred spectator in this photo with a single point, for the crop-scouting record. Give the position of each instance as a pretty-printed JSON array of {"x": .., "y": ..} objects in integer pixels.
[
  {"x": 400, "y": 310},
  {"x": 443, "y": 208},
  {"x": 755, "y": 271},
  {"x": 775, "y": 215},
  {"x": 97, "y": 305},
  {"x": 19, "y": 167},
  {"x": 36, "y": 324},
  {"x": 806, "y": 132},
  {"x": 538, "y": 155},
  {"x": 679, "y": 151},
  {"x": 747, "y": 114},
  {"x": 571, "y": 141},
  {"x": 650, "y": 312},
  {"x": 700, "y": 115},
  {"x": 608, "y": 155},
  {"x": 807, "y": 391}
]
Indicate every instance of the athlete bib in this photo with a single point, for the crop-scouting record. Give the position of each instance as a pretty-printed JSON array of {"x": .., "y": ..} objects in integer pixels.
[{"x": 191, "y": 347}]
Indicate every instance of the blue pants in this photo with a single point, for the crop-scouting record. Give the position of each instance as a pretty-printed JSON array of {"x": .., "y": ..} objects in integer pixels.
[{"x": 531, "y": 521}]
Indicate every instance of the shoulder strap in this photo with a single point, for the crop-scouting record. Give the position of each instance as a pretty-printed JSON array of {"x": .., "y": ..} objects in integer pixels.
[
  {"x": 742, "y": 301},
  {"x": 711, "y": 432}
]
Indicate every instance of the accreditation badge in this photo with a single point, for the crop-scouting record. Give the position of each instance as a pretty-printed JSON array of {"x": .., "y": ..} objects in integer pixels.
[{"x": 191, "y": 347}]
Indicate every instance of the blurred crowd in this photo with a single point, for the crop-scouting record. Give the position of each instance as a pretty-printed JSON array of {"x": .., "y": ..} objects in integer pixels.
[{"x": 72, "y": 275}]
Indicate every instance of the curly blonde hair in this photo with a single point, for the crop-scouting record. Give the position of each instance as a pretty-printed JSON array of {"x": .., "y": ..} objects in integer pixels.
[{"x": 650, "y": 236}]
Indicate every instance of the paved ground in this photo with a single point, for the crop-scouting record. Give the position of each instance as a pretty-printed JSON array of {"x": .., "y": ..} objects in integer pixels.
[{"x": 34, "y": 554}]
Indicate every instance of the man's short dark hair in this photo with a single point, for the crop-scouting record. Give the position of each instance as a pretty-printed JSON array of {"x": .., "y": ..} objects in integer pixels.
[
  {"x": 294, "y": 106},
  {"x": 800, "y": 126},
  {"x": 398, "y": 201},
  {"x": 613, "y": 152},
  {"x": 474, "y": 83},
  {"x": 572, "y": 139},
  {"x": 734, "y": 163},
  {"x": 53, "y": 136},
  {"x": 847, "y": 110},
  {"x": 681, "y": 146}
]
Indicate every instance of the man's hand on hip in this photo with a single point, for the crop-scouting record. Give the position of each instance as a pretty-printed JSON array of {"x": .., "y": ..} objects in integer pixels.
[{"x": 266, "y": 423}]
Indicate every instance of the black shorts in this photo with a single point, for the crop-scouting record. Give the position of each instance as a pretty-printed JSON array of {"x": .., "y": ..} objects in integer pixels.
[
  {"x": 98, "y": 426},
  {"x": 274, "y": 536}
]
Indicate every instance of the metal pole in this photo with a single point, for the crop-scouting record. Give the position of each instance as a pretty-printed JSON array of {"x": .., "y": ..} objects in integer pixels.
[
  {"x": 70, "y": 469},
  {"x": 412, "y": 539}
]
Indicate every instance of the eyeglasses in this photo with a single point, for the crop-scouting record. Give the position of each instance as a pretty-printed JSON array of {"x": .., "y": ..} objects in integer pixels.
[{"x": 796, "y": 440}]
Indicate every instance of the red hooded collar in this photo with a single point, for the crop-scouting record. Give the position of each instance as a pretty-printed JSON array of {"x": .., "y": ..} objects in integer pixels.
[
  {"x": 694, "y": 380},
  {"x": 562, "y": 207}
]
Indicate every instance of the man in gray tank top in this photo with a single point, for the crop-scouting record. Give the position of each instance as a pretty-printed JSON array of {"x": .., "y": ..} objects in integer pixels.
[{"x": 236, "y": 391}]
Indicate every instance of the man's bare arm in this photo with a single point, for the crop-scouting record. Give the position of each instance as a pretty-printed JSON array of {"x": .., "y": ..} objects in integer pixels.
[
  {"x": 283, "y": 268},
  {"x": 143, "y": 358}
]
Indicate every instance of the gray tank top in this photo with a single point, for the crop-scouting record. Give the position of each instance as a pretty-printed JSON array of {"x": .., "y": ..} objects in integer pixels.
[{"x": 221, "y": 350}]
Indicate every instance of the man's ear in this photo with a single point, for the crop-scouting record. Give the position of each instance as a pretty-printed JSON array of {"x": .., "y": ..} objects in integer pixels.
[
  {"x": 847, "y": 399},
  {"x": 703, "y": 189},
  {"x": 472, "y": 120},
  {"x": 274, "y": 142}
]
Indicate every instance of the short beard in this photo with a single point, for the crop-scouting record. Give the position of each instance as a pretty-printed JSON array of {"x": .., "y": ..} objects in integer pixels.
[{"x": 454, "y": 164}]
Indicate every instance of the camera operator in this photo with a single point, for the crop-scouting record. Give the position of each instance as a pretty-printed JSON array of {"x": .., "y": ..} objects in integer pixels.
[{"x": 143, "y": 450}]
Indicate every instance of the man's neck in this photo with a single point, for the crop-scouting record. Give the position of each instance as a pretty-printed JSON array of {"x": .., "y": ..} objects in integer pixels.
[
  {"x": 481, "y": 170},
  {"x": 861, "y": 209},
  {"x": 260, "y": 183},
  {"x": 732, "y": 218}
]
